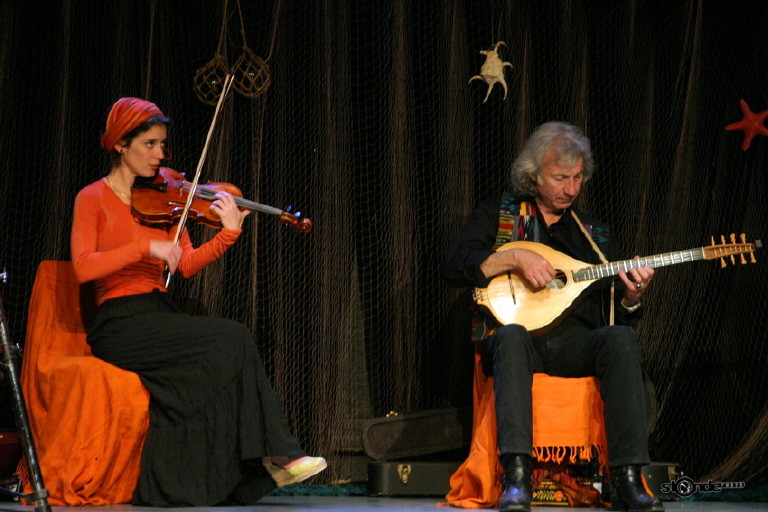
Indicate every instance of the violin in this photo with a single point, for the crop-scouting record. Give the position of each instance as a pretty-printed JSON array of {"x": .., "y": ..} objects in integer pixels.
[{"x": 159, "y": 201}]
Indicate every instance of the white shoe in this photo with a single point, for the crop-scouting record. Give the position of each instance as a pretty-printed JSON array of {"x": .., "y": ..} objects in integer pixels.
[{"x": 307, "y": 467}]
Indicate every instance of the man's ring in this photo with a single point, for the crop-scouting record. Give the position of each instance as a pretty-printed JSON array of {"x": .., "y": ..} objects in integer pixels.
[{"x": 639, "y": 285}]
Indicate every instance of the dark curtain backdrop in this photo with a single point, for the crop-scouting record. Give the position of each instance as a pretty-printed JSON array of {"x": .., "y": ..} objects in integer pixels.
[{"x": 369, "y": 126}]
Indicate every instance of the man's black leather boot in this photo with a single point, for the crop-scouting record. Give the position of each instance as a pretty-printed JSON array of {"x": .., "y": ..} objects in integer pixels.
[
  {"x": 516, "y": 495},
  {"x": 628, "y": 492}
]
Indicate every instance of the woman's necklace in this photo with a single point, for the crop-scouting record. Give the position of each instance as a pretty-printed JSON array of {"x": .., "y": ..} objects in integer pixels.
[{"x": 117, "y": 189}]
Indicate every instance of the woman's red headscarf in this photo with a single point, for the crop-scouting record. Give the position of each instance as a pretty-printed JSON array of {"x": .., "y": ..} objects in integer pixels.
[{"x": 127, "y": 114}]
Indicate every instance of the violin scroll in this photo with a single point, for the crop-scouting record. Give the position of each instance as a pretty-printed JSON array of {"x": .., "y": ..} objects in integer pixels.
[{"x": 295, "y": 221}]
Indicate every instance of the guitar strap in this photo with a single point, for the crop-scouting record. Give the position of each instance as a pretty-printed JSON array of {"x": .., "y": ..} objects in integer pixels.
[{"x": 602, "y": 258}]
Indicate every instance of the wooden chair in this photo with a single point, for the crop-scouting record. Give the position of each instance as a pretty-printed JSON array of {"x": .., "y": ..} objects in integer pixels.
[
  {"x": 88, "y": 418},
  {"x": 568, "y": 427}
]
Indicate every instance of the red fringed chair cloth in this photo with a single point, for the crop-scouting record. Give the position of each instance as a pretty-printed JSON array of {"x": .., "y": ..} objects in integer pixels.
[
  {"x": 88, "y": 418},
  {"x": 567, "y": 426}
]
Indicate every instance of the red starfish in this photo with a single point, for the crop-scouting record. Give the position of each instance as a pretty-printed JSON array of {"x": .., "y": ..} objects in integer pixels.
[{"x": 752, "y": 124}]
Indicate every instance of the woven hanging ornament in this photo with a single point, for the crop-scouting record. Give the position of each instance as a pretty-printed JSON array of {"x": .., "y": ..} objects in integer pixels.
[
  {"x": 252, "y": 75},
  {"x": 209, "y": 79}
]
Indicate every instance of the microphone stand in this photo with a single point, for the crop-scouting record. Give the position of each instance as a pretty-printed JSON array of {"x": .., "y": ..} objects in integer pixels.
[{"x": 39, "y": 493}]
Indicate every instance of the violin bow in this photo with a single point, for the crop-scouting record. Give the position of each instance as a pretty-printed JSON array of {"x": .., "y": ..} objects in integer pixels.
[{"x": 193, "y": 187}]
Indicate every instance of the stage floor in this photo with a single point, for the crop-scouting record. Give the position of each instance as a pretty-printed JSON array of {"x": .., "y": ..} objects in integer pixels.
[{"x": 365, "y": 504}]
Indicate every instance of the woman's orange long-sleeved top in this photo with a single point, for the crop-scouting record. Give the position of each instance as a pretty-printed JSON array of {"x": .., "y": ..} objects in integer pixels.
[{"x": 111, "y": 247}]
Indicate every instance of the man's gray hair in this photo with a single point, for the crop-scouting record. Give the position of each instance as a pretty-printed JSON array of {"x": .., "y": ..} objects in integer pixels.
[{"x": 569, "y": 143}]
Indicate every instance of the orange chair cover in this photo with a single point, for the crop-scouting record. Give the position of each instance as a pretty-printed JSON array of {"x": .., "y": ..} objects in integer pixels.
[
  {"x": 88, "y": 418},
  {"x": 567, "y": 425}
]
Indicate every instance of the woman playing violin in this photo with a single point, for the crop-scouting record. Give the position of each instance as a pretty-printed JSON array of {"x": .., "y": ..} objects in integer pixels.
[{"x": 217, "y": 431}]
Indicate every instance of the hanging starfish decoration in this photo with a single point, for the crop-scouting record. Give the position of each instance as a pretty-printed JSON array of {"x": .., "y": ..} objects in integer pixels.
[{"x": 752, "y": 124}]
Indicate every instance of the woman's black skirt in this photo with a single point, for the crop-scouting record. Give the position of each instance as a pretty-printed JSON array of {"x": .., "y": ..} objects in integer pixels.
[{"x": 213, "y": 412}]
